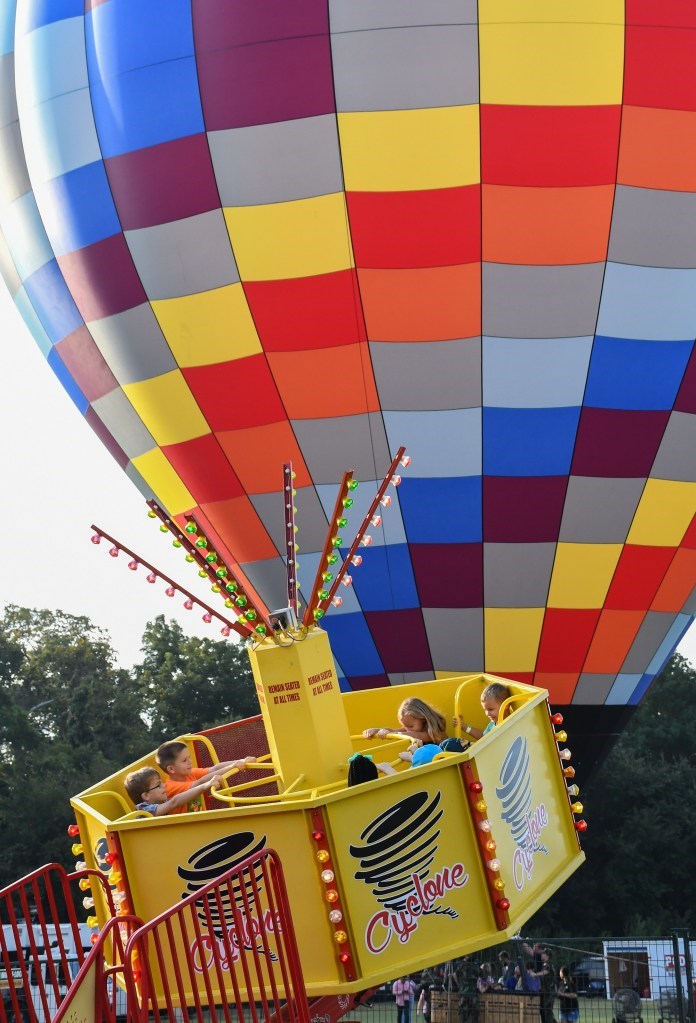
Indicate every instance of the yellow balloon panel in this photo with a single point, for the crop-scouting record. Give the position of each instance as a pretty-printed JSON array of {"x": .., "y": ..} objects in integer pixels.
[
  {"x": 551, "y": 54},
  {"x": 410, "y": 150},
  {"x": 291, "y": 239},
  {"x": 209, "y": 327}
]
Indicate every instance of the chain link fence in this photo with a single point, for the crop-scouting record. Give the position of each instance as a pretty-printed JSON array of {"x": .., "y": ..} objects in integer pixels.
[{"x": 617, "y": 980}]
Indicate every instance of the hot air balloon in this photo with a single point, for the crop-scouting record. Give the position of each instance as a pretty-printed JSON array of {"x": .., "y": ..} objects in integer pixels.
[{"x": 244, "y": 234}]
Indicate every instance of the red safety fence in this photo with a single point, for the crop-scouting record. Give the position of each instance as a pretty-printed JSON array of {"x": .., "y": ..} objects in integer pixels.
[
  {"x": 227, "y": 953},
  {"x": 43, "y": 946}
]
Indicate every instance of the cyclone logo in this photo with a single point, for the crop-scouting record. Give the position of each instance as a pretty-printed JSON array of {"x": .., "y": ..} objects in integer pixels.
[
  {"x": 398, "y": 846},
  {"x": 525, "y": 821},
  {"x": 515, "y": 790},
  {"x": 213, "y": 860}
]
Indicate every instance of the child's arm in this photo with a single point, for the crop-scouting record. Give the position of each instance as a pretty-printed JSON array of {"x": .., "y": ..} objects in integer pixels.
[
  {"x": 226, "y": 766},
  {"x": 383, "y": 733},
  {"x": 181, "y": 798},
  {"x": 471, "y": 731}
]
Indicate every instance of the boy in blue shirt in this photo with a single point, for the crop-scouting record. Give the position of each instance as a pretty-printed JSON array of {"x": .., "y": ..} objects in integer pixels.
[{"x": 146, "y": 789}]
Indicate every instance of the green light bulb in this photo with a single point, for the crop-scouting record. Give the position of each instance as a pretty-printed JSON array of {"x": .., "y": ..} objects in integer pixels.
[
  {"x": 211, "y": 558},
  {"x": 191, "y": 527},
  {"x": 323, "y": 594},
  {"x": 232, "y": 587},
  {"x": 336, "y": 541},
  {"x": 332, "y": 559},
  {"x": 261, "y": 629},
  {"x": 251, "y": 616},
  {"x": 221, "y": 573},
  {"x": 241, "y": 601},
  {"x": 347, "y": 502},
  {"x": 342, "y": 523},
  {"x": 353, "y": 485},
  {"x": 176, "y": 543},
  {"x": 201, "y": 542},
  {"x": 318, "y": 614},
  {"x": 327, "y": 576}
]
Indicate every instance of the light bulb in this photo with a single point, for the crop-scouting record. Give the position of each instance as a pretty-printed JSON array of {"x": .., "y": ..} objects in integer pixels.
[
  {"x": 366, "y": 541},
  {"x": 376, "y": 520},
  {"x": 493, "y": 864},
  {"x": 337, "y": 601},
  {"x": 565, "y": 754},
  {"x": 356, "y": 560},
  {"x": 347, "y": 580},
  {"x": 385, "y": 501},
  {"x": 485, "y": 825},
  {"x": 405, "y": 461},
  {"x": 327, "y": 876},
  {"x": 573, "y": 790},
  {"x": 335, "y": 916}
]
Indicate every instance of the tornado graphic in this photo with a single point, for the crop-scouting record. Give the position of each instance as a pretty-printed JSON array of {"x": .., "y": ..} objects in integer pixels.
[
  {"x": 515, "y": 794},
  {"x": 213, "y": 860},
  {"x": 399, "y": 843}
]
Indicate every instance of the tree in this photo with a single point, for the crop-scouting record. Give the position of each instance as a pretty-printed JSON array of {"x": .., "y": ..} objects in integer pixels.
[
  {"x": 187, "y": 684},
  {"x": 638, "y": 878},
  {"x": 68, "y": 717}
]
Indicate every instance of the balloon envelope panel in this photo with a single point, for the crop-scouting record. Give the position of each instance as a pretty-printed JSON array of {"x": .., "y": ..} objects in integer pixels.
[{"x": 244, "y": 234}]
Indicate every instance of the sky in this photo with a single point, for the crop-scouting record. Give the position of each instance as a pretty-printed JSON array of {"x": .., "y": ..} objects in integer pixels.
[{"x": 57, "y": 479}]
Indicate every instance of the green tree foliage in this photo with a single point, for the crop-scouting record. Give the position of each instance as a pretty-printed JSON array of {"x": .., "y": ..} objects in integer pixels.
[
  {"x": 69, "y": 717},
  {"x": 639, "y": 877},
  {"x": 187, "y": 684}
]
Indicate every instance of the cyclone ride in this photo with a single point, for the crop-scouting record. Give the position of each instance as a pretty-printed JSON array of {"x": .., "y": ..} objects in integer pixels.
[{"x": 310, "y": 231}]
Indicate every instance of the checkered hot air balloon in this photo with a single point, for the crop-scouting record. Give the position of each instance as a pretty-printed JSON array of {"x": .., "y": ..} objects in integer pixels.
[{"x": 244, "y": 233}]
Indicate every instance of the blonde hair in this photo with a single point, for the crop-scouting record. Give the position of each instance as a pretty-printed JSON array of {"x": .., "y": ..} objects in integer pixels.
[{"x": 435, "y": 723}]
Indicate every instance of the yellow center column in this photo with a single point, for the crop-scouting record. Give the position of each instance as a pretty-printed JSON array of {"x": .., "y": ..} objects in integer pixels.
[{"x": 302, "y": 710}]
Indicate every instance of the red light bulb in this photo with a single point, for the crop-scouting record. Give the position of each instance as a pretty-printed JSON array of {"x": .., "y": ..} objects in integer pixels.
[
  {"x": 73, "y": 830},
  {"x": 503, "y": 904},
  {"x": 475, "y": 786},
  {"x": 557, "y": 719},
  {"x": 344, "y": 957},
  {"x": 317, "y": 835},
  {"x": 581, "y": 825}
]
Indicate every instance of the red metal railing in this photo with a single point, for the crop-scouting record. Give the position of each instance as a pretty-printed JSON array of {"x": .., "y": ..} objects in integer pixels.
[
  {"x": 228, "y": 949},
  {"x": 42, "y": 947}
]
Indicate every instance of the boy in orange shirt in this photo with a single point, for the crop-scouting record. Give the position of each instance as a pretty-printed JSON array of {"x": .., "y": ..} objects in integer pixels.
[{"x": 174, "y": 759}]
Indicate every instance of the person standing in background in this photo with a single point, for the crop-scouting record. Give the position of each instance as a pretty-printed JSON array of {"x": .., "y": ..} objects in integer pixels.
[{"x": 403, "y": 990}]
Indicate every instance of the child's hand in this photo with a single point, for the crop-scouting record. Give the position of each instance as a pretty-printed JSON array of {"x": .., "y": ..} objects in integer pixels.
[
  {"x": 216, "y": 782},
  {"x": 383, "y": 733},
  {"x": 385, "y": 768},
  {"x": 239, "y": 764},
  {"x": 407, "y": 756},
  {"x": 370, "y": 733}
]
